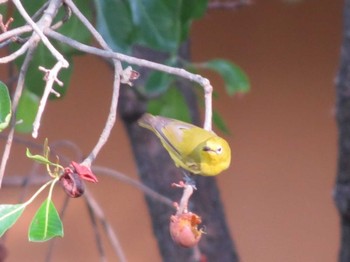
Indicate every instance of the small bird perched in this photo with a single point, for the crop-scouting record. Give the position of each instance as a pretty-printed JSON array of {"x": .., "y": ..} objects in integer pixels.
[{"x": 195, "y": 149}]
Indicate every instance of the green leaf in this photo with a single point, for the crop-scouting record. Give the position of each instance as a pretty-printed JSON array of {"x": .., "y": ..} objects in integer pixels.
[
  {"x": 3, "y": 9},
  {"x": 220, "y": 123},
  {"x": 236, "y": 80},
  {"x": 26, "y": 111},
  {"x": 9, "y": 215},
  {"x": 157, "y": 23},
  {"x": 41, "y": 159},
  {"x": 190, "y": 10},
  {"x": 114, "y": 23},
  {"x": 158, "y": 82},
  {"x": 5, "y": 106},
  {"x": 172, "y": 104},
  {"x": 46, "y": 223}
]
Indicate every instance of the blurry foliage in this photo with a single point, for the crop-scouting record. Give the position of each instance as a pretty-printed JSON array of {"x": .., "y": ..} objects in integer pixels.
[{"x": 161, "y": 25}]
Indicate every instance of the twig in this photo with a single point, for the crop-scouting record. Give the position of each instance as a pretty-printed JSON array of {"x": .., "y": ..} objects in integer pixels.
[
  {"x": 204, "y": 82},
  {"x": 108, "y": 228},
  {"x": 116, "y": 85},
  {"x": 126, "y": 179},
  {"x": 66, "y": 17},
  {"x": 188, "y": 189},
  {"x": 38, "y": 27},
  {"x": 111, "y": 117},
  {"x": 217, "y": 4},
  {"x": 88, "y": 25},
  {"x": 45, "y": 21},
  {"x": 15, "y": 54},
  {"x": 15, "y": 100},
  {"x": 50, "y": 80},
  {"x": 40, "y": 179},
  {"x": 14, "y": 32},
  {"x": 97, "y": 234}
]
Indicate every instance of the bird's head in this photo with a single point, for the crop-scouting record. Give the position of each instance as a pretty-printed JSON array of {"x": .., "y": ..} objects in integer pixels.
[{"x": 215, "y": 156}]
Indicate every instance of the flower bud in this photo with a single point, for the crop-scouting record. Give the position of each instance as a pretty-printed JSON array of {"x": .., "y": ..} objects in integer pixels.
[{"x": 72, "y": 184}]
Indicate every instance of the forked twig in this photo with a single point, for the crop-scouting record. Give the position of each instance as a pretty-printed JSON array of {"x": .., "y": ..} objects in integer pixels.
[
  {"x": 204, "y": 82},
  {"x": 95, "y": 207}
]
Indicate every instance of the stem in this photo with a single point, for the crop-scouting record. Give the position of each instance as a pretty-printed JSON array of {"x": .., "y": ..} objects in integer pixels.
[
  {"x": 15, "y": 100},
  {"x": 95, "y": 207},
  {"x": 45, "y": 21},
  {"x": 54, "y": 181},
  {"x": 14, "y": 55},
  {"x": 204, "y": 82},
  {"x": 110, "y": 119},
  {"x": 51, "y": 79},
  {"x": 40, "y": 190},
  {"x": 187, "y": 193}
]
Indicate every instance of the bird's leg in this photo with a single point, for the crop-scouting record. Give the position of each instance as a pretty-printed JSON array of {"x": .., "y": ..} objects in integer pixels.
[
  {"x": 188, "y": 186},
  {"x": 188, "y": 179}
]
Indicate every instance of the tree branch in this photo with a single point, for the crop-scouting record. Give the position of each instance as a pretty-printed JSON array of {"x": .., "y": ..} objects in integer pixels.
[
  {"x": 44, "y": 22},
  {"x": 15, "y": 100},
  {"x": 17, "y": 53},
  {"x": 50, "y": 78},
  {"x": 108, "y": 228},
  {"x": 110, "y": 119},
  {"x": 204, "y": 82}
]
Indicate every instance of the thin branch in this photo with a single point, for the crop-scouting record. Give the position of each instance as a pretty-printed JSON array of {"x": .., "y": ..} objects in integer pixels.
[
  {"x": 19, "y": 180},
  {"x": 15, "y": 32},
  {"x": 204, "y": 82},
  {"x": 127, "y": 180},
  {"x": 15, "y": 100},
  {"x": 107, "y": 227},
  {"x": 50, "y": 80},
  {"x": 17, "y": 53},
  {"x": 97, "y": 234},
  {"x": 66, "y": 17},
  {"x": 111, "y": 117},
  {"x": 38, "y": 27},
  {"x": 217, "y": 4},
  {"x": 45, "y": 21},
  {"x": 41, "y": 178},
  {"x": 116, "y": 85},
  {"x": 186, "y": 195},
  {"x": 87, "y": 23}
]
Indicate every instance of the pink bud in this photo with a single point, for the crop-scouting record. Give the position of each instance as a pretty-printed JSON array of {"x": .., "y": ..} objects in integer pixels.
[{"x": 84, "y": 172}]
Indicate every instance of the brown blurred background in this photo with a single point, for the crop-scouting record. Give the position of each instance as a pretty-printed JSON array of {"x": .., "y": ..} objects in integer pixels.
[{"x": 278, "y": 191}]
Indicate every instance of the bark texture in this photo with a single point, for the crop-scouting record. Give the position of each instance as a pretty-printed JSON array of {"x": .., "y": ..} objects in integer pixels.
[{"x": 342, "y": 186}]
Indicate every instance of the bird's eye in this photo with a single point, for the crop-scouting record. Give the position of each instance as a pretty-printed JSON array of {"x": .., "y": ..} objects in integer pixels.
[
  {"x": 219, "y": 150},
  {"x": 206, "y": 148}
]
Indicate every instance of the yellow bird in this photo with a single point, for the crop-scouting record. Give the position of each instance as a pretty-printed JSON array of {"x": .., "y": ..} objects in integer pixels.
[{"x": 193, "y": 148}]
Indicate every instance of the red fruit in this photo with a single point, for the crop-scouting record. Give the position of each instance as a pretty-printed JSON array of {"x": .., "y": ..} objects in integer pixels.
[{"x": 184, "y": 229}]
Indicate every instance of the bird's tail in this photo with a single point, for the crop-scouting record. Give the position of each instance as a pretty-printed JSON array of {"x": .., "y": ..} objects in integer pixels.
[{"x": 147, "y": 121}]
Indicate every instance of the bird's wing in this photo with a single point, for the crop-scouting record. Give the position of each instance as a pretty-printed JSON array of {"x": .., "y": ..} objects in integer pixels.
[{"x": 184, "y": 137}]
